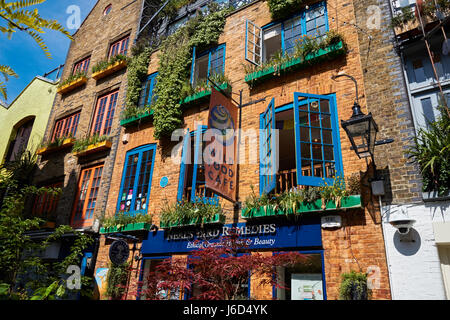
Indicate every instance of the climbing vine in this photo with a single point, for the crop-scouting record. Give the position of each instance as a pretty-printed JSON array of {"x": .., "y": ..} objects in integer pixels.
[
  {"x": 137, "y": 73},
  {"x": 282, "y": 8},
  {"x": 174, "y": 67}
]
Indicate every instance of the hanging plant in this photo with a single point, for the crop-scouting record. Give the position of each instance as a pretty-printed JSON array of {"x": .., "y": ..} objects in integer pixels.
[
  {"x": 282, "y": 8},
  {"x": 116, "y": 280},
  {"x": 174, "y": 67},
  {"x": 354, "y": 286}
]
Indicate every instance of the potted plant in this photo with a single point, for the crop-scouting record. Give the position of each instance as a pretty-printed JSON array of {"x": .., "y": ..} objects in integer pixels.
[{"x": 354, "y": 286}]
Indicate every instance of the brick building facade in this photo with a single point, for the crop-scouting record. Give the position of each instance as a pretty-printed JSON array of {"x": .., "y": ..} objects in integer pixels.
[
  {"x": 86, "y": 106},
  {"x": 392, "y": 59},
  {"x": 358, "y": 244}
]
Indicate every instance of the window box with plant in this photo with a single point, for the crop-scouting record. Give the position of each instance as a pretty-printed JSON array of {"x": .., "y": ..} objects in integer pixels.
[
  {"x": 91, "y": 144},
  {"x": 202, "y": 91},
  {"x": 187, "y": 213},
  {"x": 55, "y": 145},
  {"x": 307, "y": 51},
  {"x": 105, "y": 68},
  {"x": 71, "y": 83},
  {"x": 123, "y": 222},
  {"x": 299, "y": 201}
]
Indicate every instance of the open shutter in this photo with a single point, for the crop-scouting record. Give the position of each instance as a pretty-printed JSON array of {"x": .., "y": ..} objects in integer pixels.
[
  {"x": 253, "y": 43},
  {"x": 198, "y": 160},
  {"x": 268, "y": 150},
  {"x": 317, "y": 140},
  {"x": 185, "y": 157},
  {"x": 193, "y": 65}
]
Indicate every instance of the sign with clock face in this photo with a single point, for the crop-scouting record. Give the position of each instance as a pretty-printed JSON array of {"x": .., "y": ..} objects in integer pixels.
[{"x": 119, "y": 252}]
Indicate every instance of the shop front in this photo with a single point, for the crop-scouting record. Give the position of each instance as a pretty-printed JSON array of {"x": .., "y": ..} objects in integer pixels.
[{"x": 304, "y": 281}]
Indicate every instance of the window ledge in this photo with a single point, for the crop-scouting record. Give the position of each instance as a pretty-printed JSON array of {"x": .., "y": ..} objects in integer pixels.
[
  {"x": 94, "y": 148},
  {"x": 296, "y": 63},
  {"x": 51, "y": 149},
  {"x": 72, "y": 85},
  {"x": 110, "y": 70},
  {"x": 137, "y": 119},
  {"x": 350, "y": 202},
  {"x": 202, "y": 95},
  {"x": 218, "y": 218},
  {"x": 140, "y": 226},
  {"x": 434, "y": 196}
]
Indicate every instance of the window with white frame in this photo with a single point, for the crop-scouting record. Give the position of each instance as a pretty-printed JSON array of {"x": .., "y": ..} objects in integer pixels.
[{"x": 263, "y": 43}]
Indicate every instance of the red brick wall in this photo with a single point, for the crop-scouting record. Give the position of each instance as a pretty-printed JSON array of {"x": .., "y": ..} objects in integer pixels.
[{"x": 365, "y": 233}]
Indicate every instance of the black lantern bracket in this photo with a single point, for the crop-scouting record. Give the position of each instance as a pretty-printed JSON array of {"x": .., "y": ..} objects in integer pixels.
[{"x": 361, "y": 128}]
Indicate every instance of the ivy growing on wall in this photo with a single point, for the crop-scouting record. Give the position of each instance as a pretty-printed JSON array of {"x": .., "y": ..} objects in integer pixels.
[
  {"x": 283, "y": 8},
  {"x": 137, "y": 73},
  {"x": 174, "y": 67}
]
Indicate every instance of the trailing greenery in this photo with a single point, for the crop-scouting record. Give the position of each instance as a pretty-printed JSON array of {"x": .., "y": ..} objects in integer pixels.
[
  {"x": 185, "y": 211},
  {"x": 282, "y": 8},
  {"x": 431, "y": 151},
  {"x": 291, "y": 200},
  {"x": 354, "y": 286},
  {"x": 137, "y": 73},
  {"x": 303, "y": 47},
  {"x": 72, "y": 78},
  {"x": 105, "y": 64},
  {"x": 121, "y": 219},
  {"x": 23, "y": 274},
  {"x": 84, "y": 143},
  {"x": 429, "y": 10},
  {"x": 403, "y": 17},
  {"x": 174, "y": 67},
  {"x": 117, "y": 280}
]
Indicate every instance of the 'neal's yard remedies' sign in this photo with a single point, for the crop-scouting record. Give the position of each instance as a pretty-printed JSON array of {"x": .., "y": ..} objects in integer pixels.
[{"x": 258, "y": 236}]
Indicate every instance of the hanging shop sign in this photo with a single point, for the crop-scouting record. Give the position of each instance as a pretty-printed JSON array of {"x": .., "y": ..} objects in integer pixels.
[
  {"x": 119, "y": 252},
  {"x": 220, "y": 161},
  {"x": 268, "y": 235}
]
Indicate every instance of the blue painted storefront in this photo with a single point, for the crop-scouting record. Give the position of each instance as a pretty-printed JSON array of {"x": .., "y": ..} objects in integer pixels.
[{"x": 264, "y": 235}]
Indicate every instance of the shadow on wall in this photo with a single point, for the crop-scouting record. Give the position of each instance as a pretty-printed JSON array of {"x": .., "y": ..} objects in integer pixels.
[{"x": 409, "y": 244}]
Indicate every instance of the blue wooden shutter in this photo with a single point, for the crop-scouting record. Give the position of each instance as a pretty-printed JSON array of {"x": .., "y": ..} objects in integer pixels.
[
  {"x": 198, "y": 157},
  {"x": 184, "y": 159},
  {"x": 268, "y": 145},
  {"x": 317, "y": 140}
]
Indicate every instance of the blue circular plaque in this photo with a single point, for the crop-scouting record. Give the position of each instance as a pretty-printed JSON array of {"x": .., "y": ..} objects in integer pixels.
[{"x": 164, "y": 182}]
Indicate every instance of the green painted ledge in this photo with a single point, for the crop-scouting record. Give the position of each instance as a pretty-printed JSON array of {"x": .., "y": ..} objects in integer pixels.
[
  {"x": 140, "y": 226},
  {"x": 350, "y": 202},
  {"x": 218, "y": 218},
  {"x": 137, "y": 119},
  {"x": 297, "y": 63},
  {"x": 199, "y": 96}
]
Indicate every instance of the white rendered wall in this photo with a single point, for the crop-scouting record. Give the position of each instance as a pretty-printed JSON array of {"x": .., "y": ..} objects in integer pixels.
[{"x": 414, "y": 267}]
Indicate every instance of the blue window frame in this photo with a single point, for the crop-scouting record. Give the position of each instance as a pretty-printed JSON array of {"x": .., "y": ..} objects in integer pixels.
[
  {"x": 146, "y": 98},
  {"x": 324, "y": 287},
  {"x": 207, "y": 64},
  {"x": 268, "y": 141},
  {"x": 191, "y": 185},
  {"x": 261, "y": 44},
  {"x": 318, "y": 156},
  {"x": 137, "y": 180},
  {"x": 147, "y": 264}
]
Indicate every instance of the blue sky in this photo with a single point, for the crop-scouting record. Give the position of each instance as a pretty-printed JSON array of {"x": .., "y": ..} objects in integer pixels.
[{"x": 23, "y": 54}]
